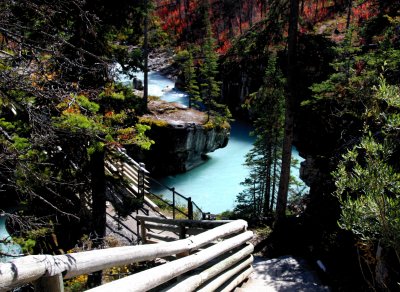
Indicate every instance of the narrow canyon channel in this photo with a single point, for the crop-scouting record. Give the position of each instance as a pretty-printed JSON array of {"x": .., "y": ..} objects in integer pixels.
[{"x": 213, "y": 185}]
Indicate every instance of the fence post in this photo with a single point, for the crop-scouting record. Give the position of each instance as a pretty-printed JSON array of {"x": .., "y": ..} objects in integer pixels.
[
  {"x": 190, "y": 208},
  {"x": 141, "y": 180},
  {"x": 50, "y": 284},
  {"x": 120, "y": 166},
  {"x": 182, "y": 235},
  {"x": 143, "y": 230},
  {"x": 173, "y": 203},
  {"x": 137, "y": 228}
]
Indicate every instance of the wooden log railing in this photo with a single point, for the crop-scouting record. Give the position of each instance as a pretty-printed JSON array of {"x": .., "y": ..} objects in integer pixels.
[
  {"x": 217, "y": 258},
  {"x": 172, "y": 228},
  {"x": 139, "y": 180}
]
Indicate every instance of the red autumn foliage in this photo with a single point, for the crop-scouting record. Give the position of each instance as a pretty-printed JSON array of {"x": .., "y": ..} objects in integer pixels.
[{"x": 183, "y": 17}]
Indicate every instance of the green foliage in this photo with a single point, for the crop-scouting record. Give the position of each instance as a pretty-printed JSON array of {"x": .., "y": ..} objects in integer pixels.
[
  {"x": 8, "y": 126},
  {"x": 165, "y": 204},
  {"x": 27, "y": 245},
  {"x": 152, "y": 121},
  {"x": 263, "y": 231},
  {"x": 75, "y": 122},
  {"x": 186, "y": 61},
  {"x": 368, "y": 179},
  {"x": 267, "y": 106},
  {"x": 226, "y": 215},
  {"x": 210, "y": 87},
  {"x": 368, "y": 188},
  {"x": 29, "y": 239},
  {"x": 95, "y": 147},
  {"x": 20, "y": 143},
  {"x": 141, "y": 139},
  {"x": 85, "y": 103},
  {"x": 158, "y": 38}
]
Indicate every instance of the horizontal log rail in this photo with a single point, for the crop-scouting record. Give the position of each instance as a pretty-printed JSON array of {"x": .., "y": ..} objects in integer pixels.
[
  {"x": 152, "y": 278},
  {"x": 228, "y": 240},
  {"x": 191, "y": 282},
  {"x": 173, "y": 228},
  {"x": 139, "y": 180}
]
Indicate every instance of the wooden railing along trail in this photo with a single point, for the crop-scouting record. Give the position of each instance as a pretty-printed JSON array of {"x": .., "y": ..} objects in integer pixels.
[
  {"x": 217, "y": 259},
  {"x": 202, "y": 255},
  {"x": 139, "y": 180}
]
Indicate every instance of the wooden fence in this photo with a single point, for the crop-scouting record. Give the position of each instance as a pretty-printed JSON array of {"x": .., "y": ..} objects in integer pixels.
[
  {"x": 219, "y": 258},
  {"x": 156, "y": 229},
  {"x": 138, "y": 186}
]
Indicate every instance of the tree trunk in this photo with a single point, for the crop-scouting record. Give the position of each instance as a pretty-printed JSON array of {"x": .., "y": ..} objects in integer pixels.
[
  {"x": 289, "y": 119},
  {"x": 269, "y": 181},
  {"x": 250, "y": 12},
  {"x": 98, "y": 207},
  {"x": 240, "y": 17},
  {"x": 145, "y": 56},
  {"x": 350, "y": 5},
  {"x": 274, "y": 176}
]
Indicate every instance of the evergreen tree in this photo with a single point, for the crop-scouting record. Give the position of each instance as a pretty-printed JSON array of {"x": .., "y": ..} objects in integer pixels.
[
  {"x": 289, "y": 112},
  {"x": 188, "y": 71},
  {"x": 210, "y": 87},
  {"x": 192, "y": 87},
  {"x": 267, "y": 107}
]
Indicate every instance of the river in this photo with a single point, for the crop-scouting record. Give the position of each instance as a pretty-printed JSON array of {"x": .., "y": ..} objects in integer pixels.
[
  {"x": 6, "y": 245},
  {"x": 213, "y": 185}
]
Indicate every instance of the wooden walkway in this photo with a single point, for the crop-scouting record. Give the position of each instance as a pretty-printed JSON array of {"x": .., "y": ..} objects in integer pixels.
[{"x": 281, "y": 274}]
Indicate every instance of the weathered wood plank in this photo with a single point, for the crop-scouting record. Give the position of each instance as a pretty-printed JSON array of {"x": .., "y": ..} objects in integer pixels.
[
  {"x": 164, "y": 227},
  {"x": 143, "y": 231},
  {"x": 192, "y": 282},
  {"x": 160, "y": 236},
  {"x": 221, "y": 279},
  {"x": 30, "y": 268},
  {"x": 22, "y": 271},
  {"x": 152, "y": 278},
  {"x": 190, "y": 223},
  {"x": 237, "y": 280}
]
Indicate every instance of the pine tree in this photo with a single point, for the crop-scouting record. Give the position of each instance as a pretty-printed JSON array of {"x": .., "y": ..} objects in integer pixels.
[
  {"x": 188, "y": 69},
  {"x": 210, "y": 87},
  {"x": 267, "y": 106},
  {"x": 192, "y": 87},
  {"x": 289, "y": 112}
]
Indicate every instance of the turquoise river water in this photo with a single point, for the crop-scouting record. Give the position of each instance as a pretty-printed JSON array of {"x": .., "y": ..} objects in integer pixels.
[{"x": 213, "y": 185}]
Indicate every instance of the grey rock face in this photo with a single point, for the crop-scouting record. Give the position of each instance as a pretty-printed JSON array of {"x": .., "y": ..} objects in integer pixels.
[{"x": 180, "y": 147}]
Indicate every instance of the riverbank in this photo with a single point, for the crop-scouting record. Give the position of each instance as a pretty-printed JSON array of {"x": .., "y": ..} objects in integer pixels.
[
  {"x": 182, "y": 136},
  {"x": 214, "y": 184}
]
